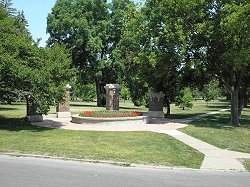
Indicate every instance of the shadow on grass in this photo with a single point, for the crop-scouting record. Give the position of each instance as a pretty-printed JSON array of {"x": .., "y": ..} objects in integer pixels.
[
  {"x": 7, "y": 109},
  {"x": 220, "y": 121},
  {"x": 182, "y": 116},
  {"x": 19, "y": 124},
  {"x": 218, "y": 106}
]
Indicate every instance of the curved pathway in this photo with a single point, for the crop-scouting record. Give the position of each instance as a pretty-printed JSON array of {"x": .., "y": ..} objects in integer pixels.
[{"x": 215, "y": 158}]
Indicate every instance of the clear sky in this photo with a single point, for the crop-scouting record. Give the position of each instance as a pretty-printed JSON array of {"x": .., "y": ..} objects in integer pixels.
[{"x": 36, "y": 12}]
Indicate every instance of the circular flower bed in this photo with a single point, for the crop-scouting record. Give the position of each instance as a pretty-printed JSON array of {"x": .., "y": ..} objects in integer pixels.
[{"x": 109, "y": 114}]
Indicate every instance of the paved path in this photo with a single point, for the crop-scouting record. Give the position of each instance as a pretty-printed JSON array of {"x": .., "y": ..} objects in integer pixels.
[{"x": 215, "y": 158}]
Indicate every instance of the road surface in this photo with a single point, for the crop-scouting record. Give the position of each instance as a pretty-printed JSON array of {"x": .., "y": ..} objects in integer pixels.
[{"x": 32, "y": 172}]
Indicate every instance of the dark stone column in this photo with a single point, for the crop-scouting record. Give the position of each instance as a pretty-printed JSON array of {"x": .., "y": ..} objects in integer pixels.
[
  {"x": 32, "y": 115},
  {"x": 112, "y": 96},
  {"x": 156, "y": 104}
]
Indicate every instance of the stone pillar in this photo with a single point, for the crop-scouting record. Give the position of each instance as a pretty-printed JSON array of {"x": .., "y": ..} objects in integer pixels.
[
  {"x": 112, "y": 96},
  {"x": 156, "y": 104},
  {"x": 32, "y": 115},
  {"x": 62, "y": 109}
]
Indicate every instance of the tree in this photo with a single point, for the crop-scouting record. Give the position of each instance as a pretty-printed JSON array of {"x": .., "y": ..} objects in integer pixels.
[
  {"x": 86, "y": 92},
  {"x": 84, "y": 27},
  {"x": 124, "y": 93},
  {"x": 184, "y": 99},
  {"x": 156, "y": 45},
  {"x": 227, "y": 43},
  {"x": 27, "y": 69},
  {"x": 7, "y": 5},
  {"x": 211, "y": 91}
]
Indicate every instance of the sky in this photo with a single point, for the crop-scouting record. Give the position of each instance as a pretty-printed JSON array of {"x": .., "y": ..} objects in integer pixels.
[{"x": 36, "y": 12}]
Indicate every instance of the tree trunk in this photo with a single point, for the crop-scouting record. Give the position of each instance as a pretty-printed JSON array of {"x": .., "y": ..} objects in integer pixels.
[
  {"x": 98, "y": 92},
  {"x": 234, "y": 106},
  {"x": 168, "y": 107},
  {"x": 241, "y": 105}
]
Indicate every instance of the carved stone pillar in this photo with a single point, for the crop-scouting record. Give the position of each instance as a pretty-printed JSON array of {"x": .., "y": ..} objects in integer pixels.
[
  {"x": 62, "y": 109},
  {"x": 112, "y": 96},
  {"x": 156, "y": 104},
  {"x": 32, "y": 115}
]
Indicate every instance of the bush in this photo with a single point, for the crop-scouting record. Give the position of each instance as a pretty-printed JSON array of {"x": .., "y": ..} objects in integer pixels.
[{"x": 184, "y": 99}]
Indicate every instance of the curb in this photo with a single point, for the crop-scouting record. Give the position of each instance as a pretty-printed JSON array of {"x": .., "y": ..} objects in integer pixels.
[{"x": 113, "y": 163}]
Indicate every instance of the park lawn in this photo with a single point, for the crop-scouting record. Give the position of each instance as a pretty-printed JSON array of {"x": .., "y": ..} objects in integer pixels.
[
  {"x": 216, "y": 130},
  {"x": 18, "y": 136},
  {"x": 17, "y": 109},
  {"x": 199, "y": 107}
]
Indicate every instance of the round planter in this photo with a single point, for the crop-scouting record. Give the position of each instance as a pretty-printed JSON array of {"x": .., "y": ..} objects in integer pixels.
[{"x": 108, "y": 121}]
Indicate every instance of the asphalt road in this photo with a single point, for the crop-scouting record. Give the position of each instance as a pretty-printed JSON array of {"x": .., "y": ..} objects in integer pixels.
[{"x": 26, "y": 172}]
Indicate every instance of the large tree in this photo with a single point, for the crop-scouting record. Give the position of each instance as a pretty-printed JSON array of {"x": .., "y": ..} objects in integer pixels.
[
  {"x": 91, "y": 29},
  {"x": 228, "y": 46},
  {"x": 84, "y": 27},
  {"x": 157, "y": 44},
  {"x": 27, "y": 69}
]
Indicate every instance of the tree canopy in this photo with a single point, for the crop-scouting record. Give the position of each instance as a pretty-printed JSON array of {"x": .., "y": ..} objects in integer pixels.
[
  {"x": 162, "y": 45},
  {"x": 27, "y": 69}
]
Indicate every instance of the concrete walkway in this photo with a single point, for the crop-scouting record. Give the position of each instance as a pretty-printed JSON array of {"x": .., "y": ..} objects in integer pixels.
[{"x": 215, "y": 158}]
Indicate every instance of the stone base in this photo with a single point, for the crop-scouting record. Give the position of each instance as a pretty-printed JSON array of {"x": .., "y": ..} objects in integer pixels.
[
  {"x": 35, "y": 118},
  {"x": 137, "y": 120},
  {"x": 156, "y": 114},
  {"x": 63, "y": 114}
]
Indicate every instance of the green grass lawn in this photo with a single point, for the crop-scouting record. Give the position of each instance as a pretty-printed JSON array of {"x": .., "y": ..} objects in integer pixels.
[
  {"x": 216, "y": 130},
  {"x": 199, "y": 107},
  {"x": 17, "y": 136}
]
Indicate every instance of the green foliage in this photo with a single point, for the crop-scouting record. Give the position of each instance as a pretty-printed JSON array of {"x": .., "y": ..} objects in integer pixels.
[
  {"x": 211, "y": 91},
  {"x": 124, "y": 93},
  {"x": 7, "y": 5},
  {"x": 28, "y": 69},
  {"x": 184, "y": 99},
  {"x": 196, "y": 94},
  {"x": 158, "y": 46},
  {"x": 84, "y": 91},
  {"x": 85, "y": 27}
]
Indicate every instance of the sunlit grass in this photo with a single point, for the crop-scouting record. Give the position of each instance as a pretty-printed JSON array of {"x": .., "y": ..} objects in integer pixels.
[
  {"x": 199, "y": 107},
  {"x": 17, "y": 136},
  {"x": 217, "y": 131}
]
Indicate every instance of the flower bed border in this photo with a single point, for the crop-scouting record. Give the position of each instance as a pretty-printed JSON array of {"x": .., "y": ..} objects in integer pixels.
[
  {"x": 110, "y": 114},
  {"x": 109, "y": 121}
]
